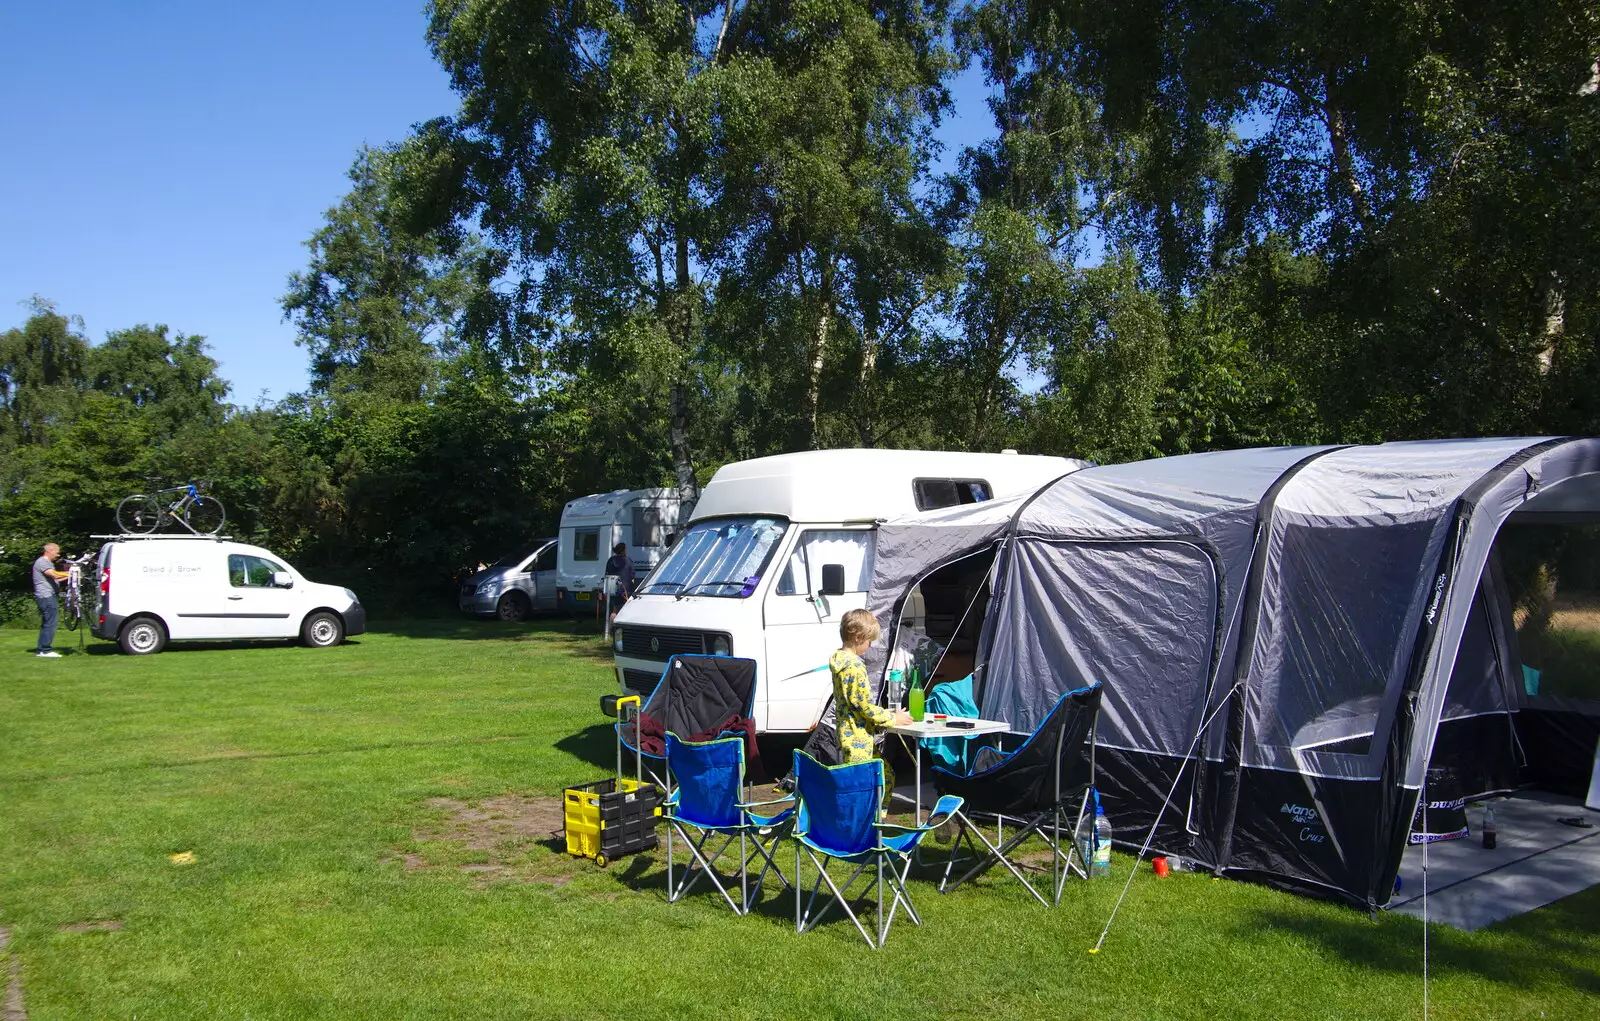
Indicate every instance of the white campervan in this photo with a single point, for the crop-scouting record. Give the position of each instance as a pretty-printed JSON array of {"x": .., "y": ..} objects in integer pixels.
[
  {"x": 779, "y": 548},
  {"x": 648, "y": 520},
  {"x": 159, "y": 588}
]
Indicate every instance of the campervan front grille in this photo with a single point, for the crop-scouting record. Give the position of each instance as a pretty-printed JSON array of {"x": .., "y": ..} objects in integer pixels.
[
  {"x": 642, "y": 682},
  {"x": 662, "y": 642}
]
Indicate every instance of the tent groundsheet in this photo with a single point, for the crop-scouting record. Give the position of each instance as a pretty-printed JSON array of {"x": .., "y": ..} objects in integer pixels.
[{"x": 1536, "y": 861}]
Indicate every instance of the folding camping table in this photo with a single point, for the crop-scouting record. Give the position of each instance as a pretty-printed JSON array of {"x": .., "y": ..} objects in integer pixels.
[{"x": 911, "y": 733}]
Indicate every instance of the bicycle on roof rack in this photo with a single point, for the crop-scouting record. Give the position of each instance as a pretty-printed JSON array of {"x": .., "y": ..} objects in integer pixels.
[{"x": 143, "y": 513}]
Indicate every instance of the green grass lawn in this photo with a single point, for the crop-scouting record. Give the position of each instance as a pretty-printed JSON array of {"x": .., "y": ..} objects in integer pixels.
[{"x": 317, "y": 791}]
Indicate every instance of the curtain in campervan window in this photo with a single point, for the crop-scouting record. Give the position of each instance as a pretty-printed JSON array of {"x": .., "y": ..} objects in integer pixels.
[{"x": 850, "y": 548}]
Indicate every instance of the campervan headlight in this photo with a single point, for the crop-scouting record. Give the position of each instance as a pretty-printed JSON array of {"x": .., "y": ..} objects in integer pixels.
[
  {"x": 720, "y": 646},
  {"x": 616, "y": 639}
]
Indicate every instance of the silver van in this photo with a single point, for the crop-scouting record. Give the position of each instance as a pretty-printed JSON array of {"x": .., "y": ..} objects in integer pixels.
[{"x": 514, "y": 586}]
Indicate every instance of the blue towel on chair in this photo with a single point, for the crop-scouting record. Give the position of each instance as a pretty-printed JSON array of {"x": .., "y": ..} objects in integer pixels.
[{"x": 953, "y": 698}]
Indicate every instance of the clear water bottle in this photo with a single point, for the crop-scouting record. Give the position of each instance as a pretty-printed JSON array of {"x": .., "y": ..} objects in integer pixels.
[
  {"x": 1100, "y": 865},
  {"x": 1096, "y": 847},
  {"x": 1491, "y": 832},
  {"x": 896, "y": 693}
]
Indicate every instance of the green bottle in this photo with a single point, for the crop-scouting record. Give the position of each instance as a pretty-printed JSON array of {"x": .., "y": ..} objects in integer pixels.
[{"x": 914, "y": 701}]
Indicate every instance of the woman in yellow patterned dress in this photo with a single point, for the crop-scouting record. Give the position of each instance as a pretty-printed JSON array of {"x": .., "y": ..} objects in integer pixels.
[{"x": 856, "y": 717}]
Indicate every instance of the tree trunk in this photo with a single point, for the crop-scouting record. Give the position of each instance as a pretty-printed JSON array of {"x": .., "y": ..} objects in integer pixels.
[
  {"x": 866, "y": 420},
  {"x": 1344, "y": 166},
  {"x": 817, "y": 356},
  {"x": 1555, "y": 322},
  {"x": 996, "y": 353},
  {"x": 678, "y": 435},
  {"x": 680, "y": 326}
]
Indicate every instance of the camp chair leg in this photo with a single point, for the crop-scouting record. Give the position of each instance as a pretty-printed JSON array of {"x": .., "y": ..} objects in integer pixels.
[
  {"x": 764, "y": 851},
  {"x": 963, "y": 833},
  {"x": 807, "y": 922},
  {"x": 881, "y": 931},
  {"x": 701, "y": 867},
  {"x": 897, "y": 886},
  {"x": 1000, "y": 855}
]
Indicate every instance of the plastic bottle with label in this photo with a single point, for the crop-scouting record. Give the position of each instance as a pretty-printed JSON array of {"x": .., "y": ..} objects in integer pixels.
[
  {"x": 1490, "y": 831},
  {"x": 1096, "y": 849}
]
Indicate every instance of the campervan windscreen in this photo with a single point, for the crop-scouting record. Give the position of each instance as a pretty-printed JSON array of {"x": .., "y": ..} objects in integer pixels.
[{"x": 724, "y": 557}]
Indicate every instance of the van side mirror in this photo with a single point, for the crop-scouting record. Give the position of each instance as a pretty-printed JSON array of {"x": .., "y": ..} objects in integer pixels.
[
  {"x": 282, "y": 579},
  {"x": 833, "y": 579}
]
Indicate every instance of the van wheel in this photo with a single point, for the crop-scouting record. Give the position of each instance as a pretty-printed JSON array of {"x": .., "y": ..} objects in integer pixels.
[
  {"x": 322, "y": 630},
  {"x": 142, "y": 636},
  {"x": 512, "y": 606}
]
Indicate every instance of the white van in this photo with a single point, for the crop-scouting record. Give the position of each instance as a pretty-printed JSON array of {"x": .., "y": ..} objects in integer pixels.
[
  {"x": 155, "y": 589},
  {"x": 779, "y": 548},
  {"x": 648, "y": 520}
]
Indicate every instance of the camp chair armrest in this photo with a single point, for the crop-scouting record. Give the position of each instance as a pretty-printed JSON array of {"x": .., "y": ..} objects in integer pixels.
[
  {"x": 947, "y": 805},
  {"x": 944, "y": 808}
]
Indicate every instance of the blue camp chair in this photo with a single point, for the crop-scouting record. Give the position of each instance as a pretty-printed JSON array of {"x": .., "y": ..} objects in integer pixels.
[
  {"x": 838, "y": 820},
  {"x": 1037, "y": 786},
  {"x": 708, "y": 781}
]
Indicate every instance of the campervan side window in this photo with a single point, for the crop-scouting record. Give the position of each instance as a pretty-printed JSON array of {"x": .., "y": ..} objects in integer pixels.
[
  {"x": 849, "y": 547},
  {"x": 586, "y": 544},
  {"x": 647, "y": 527},
  {"x": 932, "y": 494}
]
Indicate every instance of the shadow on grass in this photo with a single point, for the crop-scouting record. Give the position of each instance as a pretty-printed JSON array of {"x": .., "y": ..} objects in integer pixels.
[
  {"x": 1524, "y": 952},
  {"x": 597, "y": 745}
]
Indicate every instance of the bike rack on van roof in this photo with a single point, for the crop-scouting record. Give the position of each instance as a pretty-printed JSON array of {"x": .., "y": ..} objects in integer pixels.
[{"x": 135, "y": 535}]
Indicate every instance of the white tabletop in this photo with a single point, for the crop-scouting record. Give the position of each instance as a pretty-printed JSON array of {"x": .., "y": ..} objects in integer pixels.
[{"x": 930, "y": 727}]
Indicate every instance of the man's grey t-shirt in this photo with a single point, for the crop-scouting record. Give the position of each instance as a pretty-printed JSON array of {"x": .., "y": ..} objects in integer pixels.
[{"x": 44, "y": 586}]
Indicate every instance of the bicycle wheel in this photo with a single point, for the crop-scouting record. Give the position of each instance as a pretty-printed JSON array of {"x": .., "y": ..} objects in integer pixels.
[
  {"x": 206, "y": 515},
  {"x": 73, "y": 615},
  {"x": 138, "y": 514}
]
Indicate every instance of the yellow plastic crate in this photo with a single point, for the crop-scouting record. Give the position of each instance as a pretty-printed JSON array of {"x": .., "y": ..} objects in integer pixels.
[{"x": 610, "y": 818}]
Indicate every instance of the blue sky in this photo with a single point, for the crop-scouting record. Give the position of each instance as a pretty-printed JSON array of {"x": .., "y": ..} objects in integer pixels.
[{"x": 166, "y": 161}]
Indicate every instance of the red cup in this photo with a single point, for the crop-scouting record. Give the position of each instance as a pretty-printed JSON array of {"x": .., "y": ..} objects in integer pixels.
[{"x": 1160, "y": 865}]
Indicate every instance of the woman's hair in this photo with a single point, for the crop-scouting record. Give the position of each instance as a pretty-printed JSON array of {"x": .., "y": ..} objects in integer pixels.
[
  {"x": 620, "y": 548},
  {"x": 858, "y": 626}
]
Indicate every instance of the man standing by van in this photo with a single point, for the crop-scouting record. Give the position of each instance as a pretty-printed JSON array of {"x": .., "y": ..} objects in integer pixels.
[
  {"x": 45, "y": 577},
  {"x": 620, "y": 566}
]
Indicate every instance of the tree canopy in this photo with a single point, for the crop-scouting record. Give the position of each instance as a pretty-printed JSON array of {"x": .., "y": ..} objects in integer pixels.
[{"x": 658, "y": 237}]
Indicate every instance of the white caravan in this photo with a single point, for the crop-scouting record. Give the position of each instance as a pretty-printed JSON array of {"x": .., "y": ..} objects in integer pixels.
[
  {"x": 779, "y": 548},
  {"x": 648, "y": 520},
  {"x": 159, "y": 588}
]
